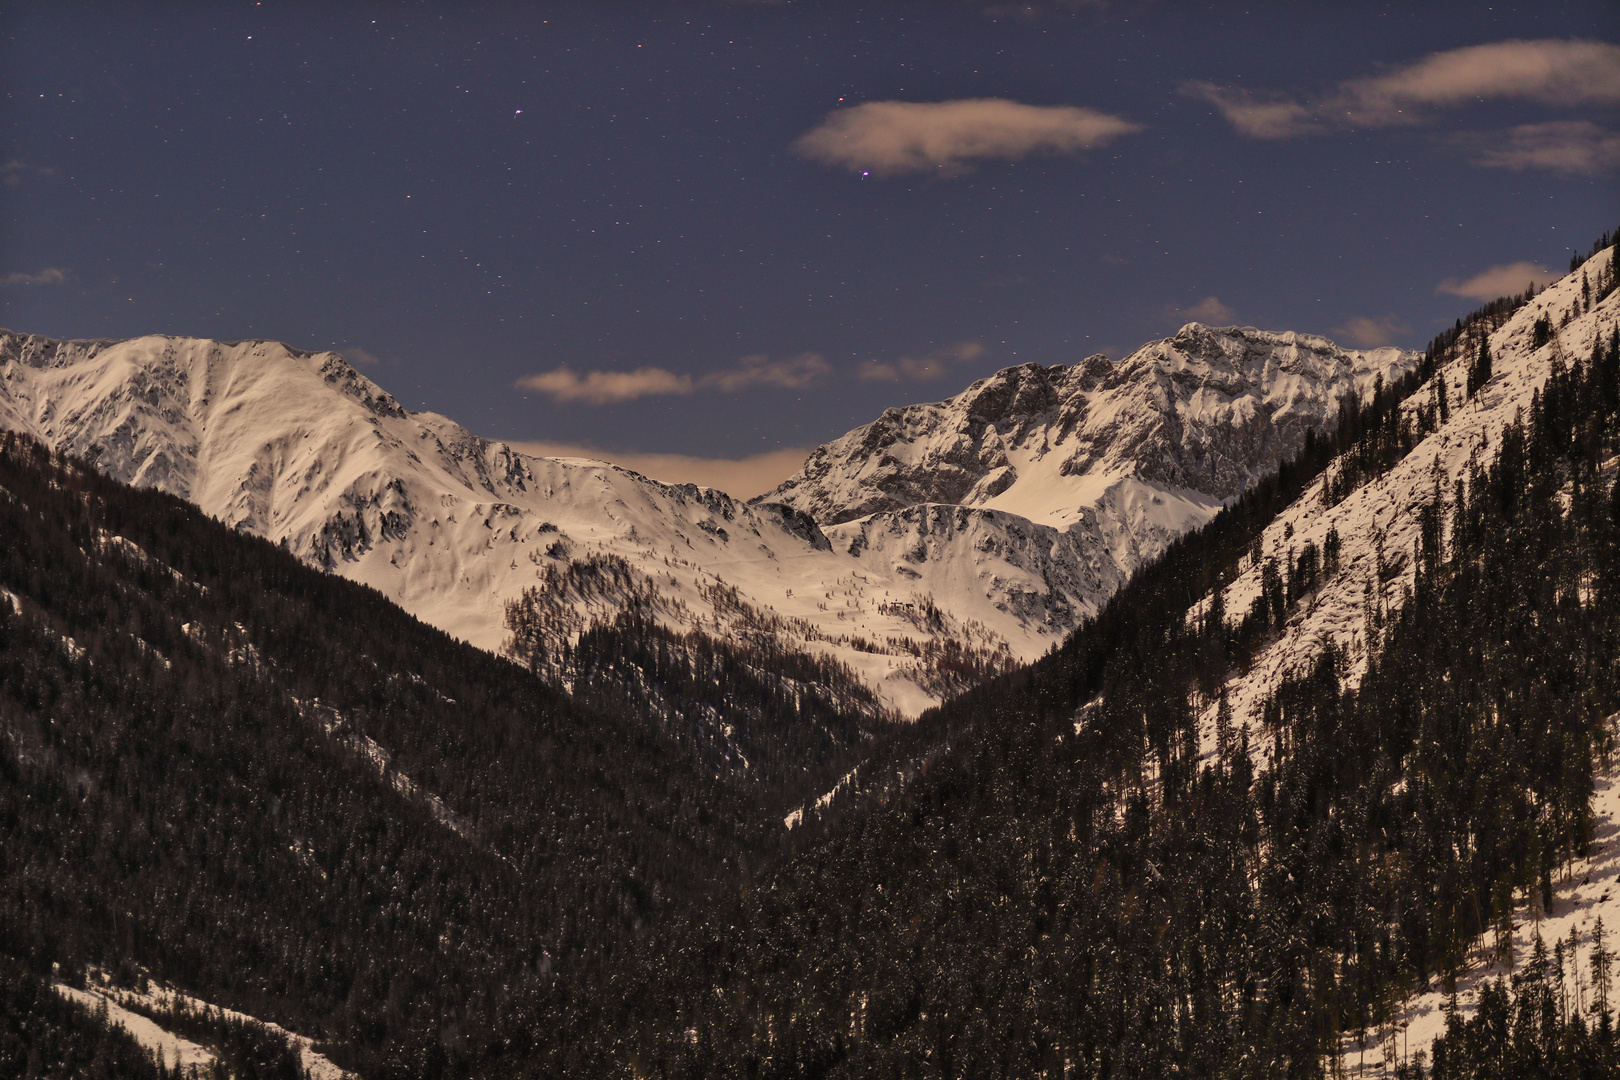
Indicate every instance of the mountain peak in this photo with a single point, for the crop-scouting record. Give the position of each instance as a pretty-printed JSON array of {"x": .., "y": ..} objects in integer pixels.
[{"x": 1208, "y": 410}]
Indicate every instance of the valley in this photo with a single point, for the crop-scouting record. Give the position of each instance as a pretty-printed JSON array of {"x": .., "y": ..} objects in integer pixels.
[{"x": 697, "y": 825}]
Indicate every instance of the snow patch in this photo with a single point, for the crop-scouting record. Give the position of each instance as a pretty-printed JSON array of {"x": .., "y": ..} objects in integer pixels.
[
  {"x": 1591, "y": 891},
  {"x": 189, "y": 1058}
]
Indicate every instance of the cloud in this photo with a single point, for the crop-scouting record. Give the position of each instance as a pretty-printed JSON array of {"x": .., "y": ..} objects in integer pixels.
[
  {"x": 1545, "y": 72},
  {"x": 1209, "y": 310},
  {"x": 1505, "y": 280},
  {"x": 1370, "y": 333},
  {"x": 1030, "y": 10},
  {"x": 13, "y": 171},
  {"x": 1576, "y": 147},
  {"x": 359, "y": 357},
  {"x": 894, "y": 137},
  {"x": 566, "y": 386},
  {"x": 751, "y": 371},
  {"x": 51, "y": 275},
  {"x": 741, "y": 477},
  {"x": 922, "y": 368},
  {"x": 1272, "y": 117}
]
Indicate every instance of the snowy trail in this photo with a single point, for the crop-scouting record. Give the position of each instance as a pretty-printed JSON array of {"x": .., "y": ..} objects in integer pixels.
[{"x": 176, "y": 1053}]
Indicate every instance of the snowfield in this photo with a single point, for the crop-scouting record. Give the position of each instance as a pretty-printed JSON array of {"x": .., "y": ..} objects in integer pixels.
[{"x": 186, "y": 1057}]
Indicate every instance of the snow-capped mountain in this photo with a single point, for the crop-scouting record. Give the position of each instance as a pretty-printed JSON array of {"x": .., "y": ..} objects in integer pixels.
[
  {"x": 980, "y": 529},
  {"x": 1044, "y": 488},
  {"x": 1205, "y": 411}
]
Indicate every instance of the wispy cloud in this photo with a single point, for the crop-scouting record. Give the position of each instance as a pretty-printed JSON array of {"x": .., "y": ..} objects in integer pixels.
[
  {"x": 922, "y": 368},
  {"x": 795, "y": 373},
  {"x": 890, "y": 138},
  {"x": 1575, "y": 147},
  {"x": 359, "y": 357},
  {"x": 1369, "y": 333},
  {"x": 1209, "y": 310},
  {"x": 14, "y": 170},
  {"x": 742, "y": 477},
  {"x": 1546, "y": 72},
  {"x": 1259, "y": 116},
  {"x": 51, "y": 275},
  {"x": 1505, "y": 280},
  {"x": 567, "y": 386}
]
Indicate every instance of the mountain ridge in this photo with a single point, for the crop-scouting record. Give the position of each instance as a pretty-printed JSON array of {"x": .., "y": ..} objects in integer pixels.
[
  {"x": 301, "y": 448},
  {"x": 1159, "y": 413},
  {"x": 1201, "y": 835}
]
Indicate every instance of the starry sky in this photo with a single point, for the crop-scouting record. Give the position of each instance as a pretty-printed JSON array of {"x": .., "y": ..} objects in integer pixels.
[{"x": 699, "y": 236}]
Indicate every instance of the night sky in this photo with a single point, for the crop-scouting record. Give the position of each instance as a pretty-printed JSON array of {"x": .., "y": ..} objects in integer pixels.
[{"x": 724, "y": 229}]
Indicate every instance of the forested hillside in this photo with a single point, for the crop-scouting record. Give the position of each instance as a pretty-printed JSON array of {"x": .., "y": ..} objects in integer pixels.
[
  {"x": 273, "y": 788},
  {"x": 44, "y": 1037},
  {"x": 775, "y": 720}
]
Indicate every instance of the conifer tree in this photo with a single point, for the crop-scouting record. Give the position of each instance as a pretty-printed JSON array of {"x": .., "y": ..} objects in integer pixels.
[
  {"x": 1480, "y": 372},
  {"x": 1602, "y": 962}
]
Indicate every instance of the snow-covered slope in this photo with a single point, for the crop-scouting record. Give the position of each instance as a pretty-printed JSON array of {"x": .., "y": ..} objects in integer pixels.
[
  {"x": 132, "y": 1010},
  {"x": 302, "y": 449},
  {"x": 1067, "y": 479},
  {"x": 1041, "y": 489},
  {"x": 1377, "y": 525},
  {"x": 1589, "y": 892}
]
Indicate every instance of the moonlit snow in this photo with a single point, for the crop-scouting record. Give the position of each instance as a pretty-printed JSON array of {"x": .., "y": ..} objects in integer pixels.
[{"x": 995, "y": 521}]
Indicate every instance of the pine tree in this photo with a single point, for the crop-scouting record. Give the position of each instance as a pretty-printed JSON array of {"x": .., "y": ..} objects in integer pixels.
[
  {"x": 1223, "y": 727},
  {"x": 1541, "y": 332},
  {"x": 1439, "y": 407},
  {"x": 1480, "y": 372},
  {"x": 1602, "y": 961}
]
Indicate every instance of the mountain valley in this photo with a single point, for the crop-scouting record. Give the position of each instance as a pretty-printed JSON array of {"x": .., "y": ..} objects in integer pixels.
[{"x": 1258, "y": 695}]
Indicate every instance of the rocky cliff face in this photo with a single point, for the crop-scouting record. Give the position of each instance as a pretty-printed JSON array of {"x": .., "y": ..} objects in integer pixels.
[{"x": 1206, "y": 411}]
